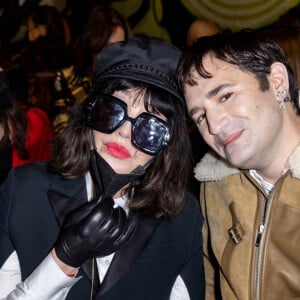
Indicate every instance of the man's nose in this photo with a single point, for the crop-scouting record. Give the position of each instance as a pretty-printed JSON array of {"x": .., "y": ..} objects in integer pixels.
[{"x": 216, "y": 119}]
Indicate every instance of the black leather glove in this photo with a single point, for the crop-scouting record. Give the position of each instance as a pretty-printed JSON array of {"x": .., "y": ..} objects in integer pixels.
[{"x": 94, "y": 229}]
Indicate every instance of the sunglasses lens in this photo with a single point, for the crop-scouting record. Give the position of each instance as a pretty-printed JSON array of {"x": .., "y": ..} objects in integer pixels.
[
  {"x": 107, "y": 115},
  {"x": 149, "y": 134}
]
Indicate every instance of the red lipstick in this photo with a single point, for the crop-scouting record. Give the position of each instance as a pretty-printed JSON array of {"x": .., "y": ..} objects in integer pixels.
[{"x": 117, "y": 150}]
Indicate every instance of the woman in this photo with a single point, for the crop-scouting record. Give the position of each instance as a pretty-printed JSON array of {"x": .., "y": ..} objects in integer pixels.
[
  {"x": 44, "y": 52},
  {"x": 111, "y": 218},
  {"x": 25, "y": 131},
  {"x": 103, "y": 26}
]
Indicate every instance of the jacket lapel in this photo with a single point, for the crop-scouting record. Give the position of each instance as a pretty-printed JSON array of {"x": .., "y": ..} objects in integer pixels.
[
  {"x": 126, "y": 256},
  {"x": 63, "y": 199},
  {"x": 65, "y": 195}
]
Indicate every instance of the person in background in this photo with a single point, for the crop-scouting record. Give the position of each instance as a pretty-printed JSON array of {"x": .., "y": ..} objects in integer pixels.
[
  {"x": 104, "y": 26},
  {"x": 25, "y": 131},
  {"x": 201, "y": 27},
  {"x": 111, "y": 219},
  {"x": 242, "y": 94},
  {"x": 46, "y": 23},
  {"x": 76, "y": 13},
  {"x": 286, "y": 32},
  {"x": 44, "y": 52}
]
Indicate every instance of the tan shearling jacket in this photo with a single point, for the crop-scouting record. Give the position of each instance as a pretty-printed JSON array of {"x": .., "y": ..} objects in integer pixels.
[{"x": 253, "y": 238}]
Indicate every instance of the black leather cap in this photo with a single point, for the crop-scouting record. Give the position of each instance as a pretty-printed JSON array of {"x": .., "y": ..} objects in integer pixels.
[{"x": 147, "y": 60}]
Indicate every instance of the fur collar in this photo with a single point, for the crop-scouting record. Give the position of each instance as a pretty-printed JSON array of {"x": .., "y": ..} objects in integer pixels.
[{"x": 213, "y": 168}]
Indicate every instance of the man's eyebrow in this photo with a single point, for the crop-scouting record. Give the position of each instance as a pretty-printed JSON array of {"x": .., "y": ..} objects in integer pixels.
[{"x": 216, "y": 90}]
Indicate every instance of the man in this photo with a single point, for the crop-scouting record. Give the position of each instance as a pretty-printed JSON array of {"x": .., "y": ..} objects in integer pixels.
[{"x": 241, "y": 92}]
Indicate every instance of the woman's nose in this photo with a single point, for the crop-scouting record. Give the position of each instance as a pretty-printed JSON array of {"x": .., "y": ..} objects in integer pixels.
[{"x": 125, "y": 129}]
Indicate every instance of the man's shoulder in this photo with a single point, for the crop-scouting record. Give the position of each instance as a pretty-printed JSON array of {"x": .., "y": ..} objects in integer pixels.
[
  {"x": 294, "y": 162},
  {"x": 213, "y": 168}
]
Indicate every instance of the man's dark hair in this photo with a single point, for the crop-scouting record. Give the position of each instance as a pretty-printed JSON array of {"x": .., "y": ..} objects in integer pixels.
[{"x": 248, "y": 49}]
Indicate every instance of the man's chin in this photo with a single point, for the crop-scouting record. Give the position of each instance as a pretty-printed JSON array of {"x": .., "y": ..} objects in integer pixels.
[
  {"x": 236, "y": 160},
  {"x": 240, "y": 162}
]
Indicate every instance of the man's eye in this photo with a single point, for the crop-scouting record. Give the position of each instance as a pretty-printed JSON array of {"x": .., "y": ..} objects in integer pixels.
[{"x": 225, "y": 97}]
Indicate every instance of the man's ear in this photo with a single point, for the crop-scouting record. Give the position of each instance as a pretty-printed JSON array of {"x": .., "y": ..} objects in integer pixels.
[{"x": 278, "y": 77}]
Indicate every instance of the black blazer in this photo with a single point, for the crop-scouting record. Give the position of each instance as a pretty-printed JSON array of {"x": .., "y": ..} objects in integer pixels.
[{"x": 145, "y": 268}]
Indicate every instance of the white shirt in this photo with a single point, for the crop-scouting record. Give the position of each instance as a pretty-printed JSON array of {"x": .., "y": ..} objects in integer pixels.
[
  {"x": 267, "y": 186},
  {"x": 48, "y": 281}
]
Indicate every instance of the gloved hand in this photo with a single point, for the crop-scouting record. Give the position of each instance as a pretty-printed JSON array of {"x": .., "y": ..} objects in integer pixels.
[{"x": 94, "y": 229}]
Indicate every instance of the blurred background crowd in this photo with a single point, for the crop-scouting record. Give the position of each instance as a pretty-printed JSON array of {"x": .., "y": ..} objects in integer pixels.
[{"x": 49, "y": 49}]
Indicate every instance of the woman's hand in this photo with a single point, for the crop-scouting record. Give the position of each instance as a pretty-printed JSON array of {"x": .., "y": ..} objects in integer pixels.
[{"x": 95, "y": 229}]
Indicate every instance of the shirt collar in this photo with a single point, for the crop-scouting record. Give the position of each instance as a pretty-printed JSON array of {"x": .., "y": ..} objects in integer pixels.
[
  {"x": 121, "y": 201},
  {"x": 267, "y": 186}
]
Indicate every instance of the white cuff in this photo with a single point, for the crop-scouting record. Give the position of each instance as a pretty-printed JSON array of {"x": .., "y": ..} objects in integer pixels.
[{"x": 46, "y": 282}]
